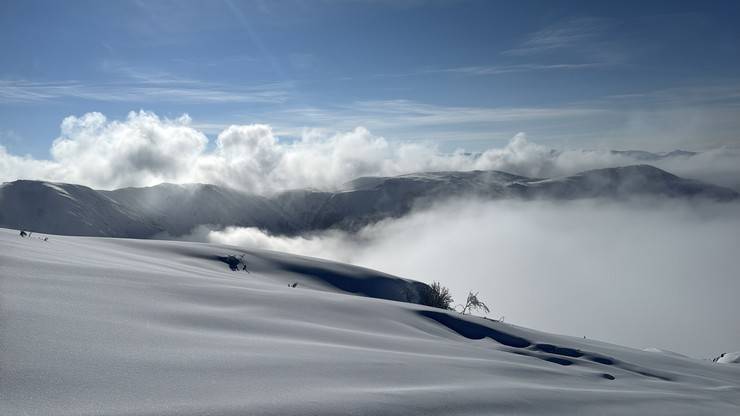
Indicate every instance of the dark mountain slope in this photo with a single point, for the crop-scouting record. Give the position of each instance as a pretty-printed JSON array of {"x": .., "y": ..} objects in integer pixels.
[
  {"x": 175, "y": 210},
  {"x": 179, "y": 208},
  {"x": 627, "y": 182}
]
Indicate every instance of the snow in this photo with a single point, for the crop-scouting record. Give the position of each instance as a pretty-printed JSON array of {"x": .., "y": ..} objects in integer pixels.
[
  {"x": 728, "y": 358},
  {"x": 663, "y": 351},
  {"x": 68, "y": 209},
  {"x": 139, "y": 327},
  {"x": 58, "y": 189}
]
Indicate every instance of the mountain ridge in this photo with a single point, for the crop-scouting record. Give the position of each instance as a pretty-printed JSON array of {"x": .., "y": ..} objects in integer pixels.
[{"x": 171, "y": 210}]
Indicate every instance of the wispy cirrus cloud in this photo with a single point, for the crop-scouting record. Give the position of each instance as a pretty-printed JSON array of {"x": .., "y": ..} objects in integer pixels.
[
  {"x": 429, "y": 114},
  {"x": 571, "y": 33},
  {"x": 411, "y": 119},
  {"x": 161, "y": 90},
  {"x": 722, "y": 94},
  {"x": 125, "y": 72},
  {"x": 492, "y": 69},
  {"x": 508, "y": 69}
]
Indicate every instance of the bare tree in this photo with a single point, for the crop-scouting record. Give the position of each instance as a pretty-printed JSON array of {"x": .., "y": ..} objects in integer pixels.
[{"x": 474, "y": 304}]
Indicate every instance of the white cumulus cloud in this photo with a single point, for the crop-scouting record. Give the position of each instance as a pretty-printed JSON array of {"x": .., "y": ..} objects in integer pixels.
[{"x": 145, "y": 149}]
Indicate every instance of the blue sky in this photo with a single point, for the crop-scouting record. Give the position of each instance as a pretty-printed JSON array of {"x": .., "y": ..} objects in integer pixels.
[{"x": 460, "y": 74}]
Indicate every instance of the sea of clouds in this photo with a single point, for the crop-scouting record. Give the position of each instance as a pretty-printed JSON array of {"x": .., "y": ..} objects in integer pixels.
[
  {"x": 641, "y": 273},
  {"x": 145, "y": 150}
]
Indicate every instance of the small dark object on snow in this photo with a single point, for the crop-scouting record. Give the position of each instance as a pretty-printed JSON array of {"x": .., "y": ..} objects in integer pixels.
[
  {"x": 235, "y": 263},
  {"x": 23, "y": 233},
  {"x": 293, "y": 284}
]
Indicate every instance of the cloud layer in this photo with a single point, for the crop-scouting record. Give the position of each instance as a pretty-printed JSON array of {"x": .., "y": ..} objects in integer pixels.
[
  {"x": 145, "y": 150},
  {"x": 644, "y": 274}
]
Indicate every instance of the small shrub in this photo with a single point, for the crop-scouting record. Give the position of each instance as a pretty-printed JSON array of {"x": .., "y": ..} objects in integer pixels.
[
  {"x": 436, "y": 296},
  {"x": 235, "y": 263}
]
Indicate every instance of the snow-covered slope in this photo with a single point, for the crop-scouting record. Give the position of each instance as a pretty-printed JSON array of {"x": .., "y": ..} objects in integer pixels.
[
  {"x": 370, "y": 199},
  {"x": 626, "y": 182},
  {"x": 177, "y": 209},
  {"x": 68, "y": 209},
  {"x": 95, "y": 326}
]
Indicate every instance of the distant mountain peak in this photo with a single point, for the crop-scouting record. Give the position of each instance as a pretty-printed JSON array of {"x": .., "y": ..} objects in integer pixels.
[
  {"x": 651, "y": 157},
  {"x": 176, "y": 209}
]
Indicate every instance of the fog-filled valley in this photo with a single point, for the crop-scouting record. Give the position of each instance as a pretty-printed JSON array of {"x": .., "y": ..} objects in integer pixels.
[{"x": 634, "y": 272}]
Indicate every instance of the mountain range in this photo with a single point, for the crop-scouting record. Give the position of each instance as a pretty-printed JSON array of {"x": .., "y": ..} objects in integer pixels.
[{"x": 174, "y": 210}]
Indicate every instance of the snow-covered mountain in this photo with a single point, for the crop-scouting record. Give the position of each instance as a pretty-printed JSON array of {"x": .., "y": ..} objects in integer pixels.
[
  {"x": 140, "y": 327},
  {"x": 175, "y": 210},
  {"x": 625, "y": 182},
  {"x": 69, "y": 209},
  {"x": 178, "y": 208},
  {"x": 644, "y": 156}
]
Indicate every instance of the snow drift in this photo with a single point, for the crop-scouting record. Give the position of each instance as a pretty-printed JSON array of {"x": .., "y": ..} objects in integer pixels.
[{"x": 129, "y": 327}]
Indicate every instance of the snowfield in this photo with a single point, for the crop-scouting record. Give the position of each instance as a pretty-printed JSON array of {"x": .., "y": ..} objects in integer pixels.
[{"x": 99, "y": 326}]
